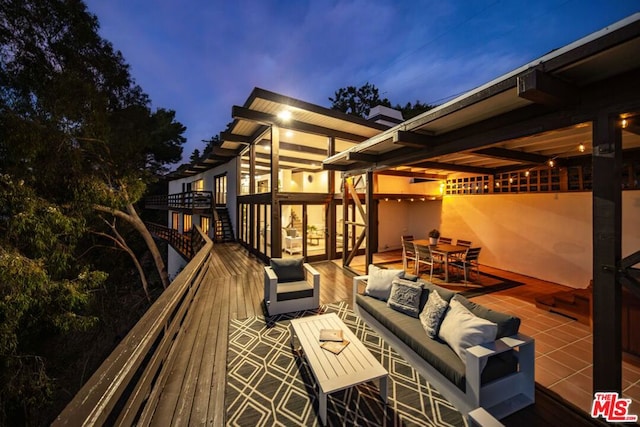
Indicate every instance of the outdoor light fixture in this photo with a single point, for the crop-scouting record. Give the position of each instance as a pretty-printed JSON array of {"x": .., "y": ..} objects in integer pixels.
[
  {"x": 581, "y": 147},
  {"x": 510, "y": 180},
  {"x": 624, "y": 123},
  {"x": 526, "y": 173},
  {"x": 551, "y": 163},
  {"x": 284, "y": 115},
  {"x": 288, "y": 133}
]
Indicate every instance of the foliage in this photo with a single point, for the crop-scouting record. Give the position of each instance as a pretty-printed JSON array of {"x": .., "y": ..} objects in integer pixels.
[
  {"x": 76, "y": 133},
  {"x": 195, "y": 156},
  {"x": 359, "y": 101},
  {"x": 42, "y": 292}
]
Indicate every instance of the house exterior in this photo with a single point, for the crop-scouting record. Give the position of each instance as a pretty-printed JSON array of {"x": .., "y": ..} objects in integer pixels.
[{"x": 540, "y": 167}]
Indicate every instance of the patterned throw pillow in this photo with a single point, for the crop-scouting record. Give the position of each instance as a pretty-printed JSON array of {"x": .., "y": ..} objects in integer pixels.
[
  {"x": 432, "y": 313},
  {"x": 405, "y": 297}
]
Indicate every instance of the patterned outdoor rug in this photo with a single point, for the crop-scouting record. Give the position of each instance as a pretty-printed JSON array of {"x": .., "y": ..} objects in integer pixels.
[{"x": 268, "y": 385}]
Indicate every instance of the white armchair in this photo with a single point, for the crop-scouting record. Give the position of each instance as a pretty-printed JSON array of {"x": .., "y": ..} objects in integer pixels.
[{"x": 290, "y": 284}]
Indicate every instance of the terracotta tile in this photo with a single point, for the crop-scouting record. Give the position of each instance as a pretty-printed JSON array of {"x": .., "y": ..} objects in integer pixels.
[
  {"x": 580, "y": 350},
  {"x": 543, "y": 346},
  {"x": 573, "y": 394},
  {"x": 551, "y": 365},
  {"x": 562, "y": 356},
  {"x": 578, "y": 329},
  {"x": 552, "y": 339},
  {"x": 585, "y": 382},
  {"x": 546, "y": 377},
  {"x": 561, "y": 333}
]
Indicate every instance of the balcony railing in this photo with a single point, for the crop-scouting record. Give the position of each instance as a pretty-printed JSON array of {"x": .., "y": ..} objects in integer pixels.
[
  {"x": 186, "y": 244},
  {"x": 186, "y": 200},
  {"x": 118, "y": 392}
]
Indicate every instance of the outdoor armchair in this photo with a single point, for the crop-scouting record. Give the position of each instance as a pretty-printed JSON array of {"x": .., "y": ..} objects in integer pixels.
[{"x": 290, "y": 284}]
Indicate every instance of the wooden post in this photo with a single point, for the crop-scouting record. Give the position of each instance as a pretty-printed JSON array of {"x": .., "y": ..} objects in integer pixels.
[
  {"x": 369, "y": 220},
  {"x": 607, "y": 243},
  {"x": 276, "y": 218}
]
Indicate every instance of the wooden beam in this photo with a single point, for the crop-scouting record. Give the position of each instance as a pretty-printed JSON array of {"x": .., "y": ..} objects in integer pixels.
[
  {"x": 362, "y": 157},
  {"x": 518, "y": 156},
  {"x": 607, "y": 255},
  {"x": 454, "y": 168},
  {"x": 371, "y": 228},
  {"x": 411, "y": 174},
  {"x": 542, "y": 88},
  {"x": 242, "y": 113},
  {"x": 234, "y": 137},
  {"x": 412, "y": 139}
]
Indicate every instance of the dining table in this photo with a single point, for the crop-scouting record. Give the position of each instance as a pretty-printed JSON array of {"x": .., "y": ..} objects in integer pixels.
[{"x": 446, "y": 250}]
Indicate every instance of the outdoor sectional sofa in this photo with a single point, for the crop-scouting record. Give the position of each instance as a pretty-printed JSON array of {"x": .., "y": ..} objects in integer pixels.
[{"x": 498, "y": 376}]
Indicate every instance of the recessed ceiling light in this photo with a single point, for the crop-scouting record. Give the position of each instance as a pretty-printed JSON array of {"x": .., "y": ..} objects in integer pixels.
[{"x": 284, "y": 115}]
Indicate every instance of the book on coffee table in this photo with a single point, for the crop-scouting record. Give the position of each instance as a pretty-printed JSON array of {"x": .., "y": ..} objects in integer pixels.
[
  {"x": 331, "y": 335},
  {"x": 334, "y": 347}
]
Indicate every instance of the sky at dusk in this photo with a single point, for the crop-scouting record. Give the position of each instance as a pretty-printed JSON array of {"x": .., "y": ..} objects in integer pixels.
[{"x": 201, "y": 57}]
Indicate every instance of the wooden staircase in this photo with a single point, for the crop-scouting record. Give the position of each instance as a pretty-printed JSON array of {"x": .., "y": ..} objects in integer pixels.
[
  {"x": 575, "y": 304},
  {"x": 223, "y": 227}
]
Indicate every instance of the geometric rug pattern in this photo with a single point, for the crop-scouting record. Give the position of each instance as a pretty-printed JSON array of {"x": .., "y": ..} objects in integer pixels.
[{"x": 268, "y": 385}]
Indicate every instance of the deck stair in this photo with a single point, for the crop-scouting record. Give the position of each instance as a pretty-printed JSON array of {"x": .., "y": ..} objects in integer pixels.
[
  {"x": 575, "y": 304},
  {"x": 223, "y": 227}
]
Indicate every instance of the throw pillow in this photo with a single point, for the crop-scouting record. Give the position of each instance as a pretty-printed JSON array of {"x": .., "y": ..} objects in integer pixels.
[
  {"x": 288, "y": 269},
  {"x": 461, "y": 329},
  {"x": 405, "y": 297},
  {"x": 432, "y": 313},
  {"x": 379, "y": 282}
]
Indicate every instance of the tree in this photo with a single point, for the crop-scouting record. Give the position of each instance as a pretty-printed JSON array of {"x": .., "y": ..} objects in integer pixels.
[
  {"x": 195, "y": 156},
  {"x": 357, "y": 101},
  {"x": 78, "y": 146}
]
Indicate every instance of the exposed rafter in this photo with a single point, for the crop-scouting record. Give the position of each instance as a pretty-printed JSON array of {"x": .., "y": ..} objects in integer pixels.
[
  {"x": 242, "y": 113},
  {"x": 412, "y": 139},
  {"x": 454, "y": 168},
  {"x": 362, "y": 157},
  {"x": 545, "y": 89},
  {"x": 518, "y": 156},
  {"x": 233, "y": 137},
  {"x": 412, "y": 174}
]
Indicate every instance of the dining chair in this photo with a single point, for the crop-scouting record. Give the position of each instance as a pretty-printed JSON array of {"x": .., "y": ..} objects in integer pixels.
[
  {"x": 466, "y": 243},
  {"x": 408, "y": 252},
  {"x": 445, "y": 240},
  {"x": 424, "y": 256},
  {"x": 467, "y": 263}
]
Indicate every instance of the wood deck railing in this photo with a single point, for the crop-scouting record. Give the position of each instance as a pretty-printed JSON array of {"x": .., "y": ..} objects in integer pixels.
[
  {"x": 118, "y": 393},
  {"x": 186, "y": 244},
  {"x": 186, "y": 200}
]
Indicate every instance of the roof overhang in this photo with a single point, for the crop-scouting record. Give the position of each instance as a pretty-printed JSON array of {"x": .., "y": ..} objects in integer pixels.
[{"x": 539, "y": 111}]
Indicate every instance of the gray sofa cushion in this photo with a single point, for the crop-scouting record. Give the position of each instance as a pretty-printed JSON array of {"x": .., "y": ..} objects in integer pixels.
[
  {"x": 288, "y": 269},
  {"x": 434, "y": 351},
  {"x": 507, "y": 325},
  {"x": 294, "y": 290}
]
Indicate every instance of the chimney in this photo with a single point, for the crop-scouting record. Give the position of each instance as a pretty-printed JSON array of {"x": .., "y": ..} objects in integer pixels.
[{"x": 385, "y": 115}]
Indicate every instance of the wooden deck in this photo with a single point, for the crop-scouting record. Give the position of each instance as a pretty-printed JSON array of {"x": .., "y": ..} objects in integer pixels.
[{"x": 193, "y": 391}]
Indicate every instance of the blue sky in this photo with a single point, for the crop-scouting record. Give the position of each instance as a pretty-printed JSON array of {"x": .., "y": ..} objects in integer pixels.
[{"x": 201, "y": 57}]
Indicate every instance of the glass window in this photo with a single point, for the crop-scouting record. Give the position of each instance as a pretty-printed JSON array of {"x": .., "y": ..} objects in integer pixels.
[{"x": 186, "y": 223}]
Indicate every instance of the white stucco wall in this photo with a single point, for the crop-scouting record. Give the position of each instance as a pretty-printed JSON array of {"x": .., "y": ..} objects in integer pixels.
[
  {"x": 547, "y": 236},
  {"x": 399, "y": 218}
]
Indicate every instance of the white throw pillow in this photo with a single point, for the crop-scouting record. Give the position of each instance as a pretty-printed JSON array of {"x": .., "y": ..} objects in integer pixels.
[
  {"x": 379, "y": 282},
  {"x": 462, "y": 329},
  {"x": 432, "y": 313}
]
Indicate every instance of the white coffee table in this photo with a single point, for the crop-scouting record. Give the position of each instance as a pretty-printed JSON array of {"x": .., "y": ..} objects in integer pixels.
[{"x": 354, "y": 365}]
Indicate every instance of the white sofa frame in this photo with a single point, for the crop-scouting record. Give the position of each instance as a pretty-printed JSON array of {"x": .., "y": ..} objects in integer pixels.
[
  {"x": 273, "y": 306},
  {"x": 499, "y": 398}
]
